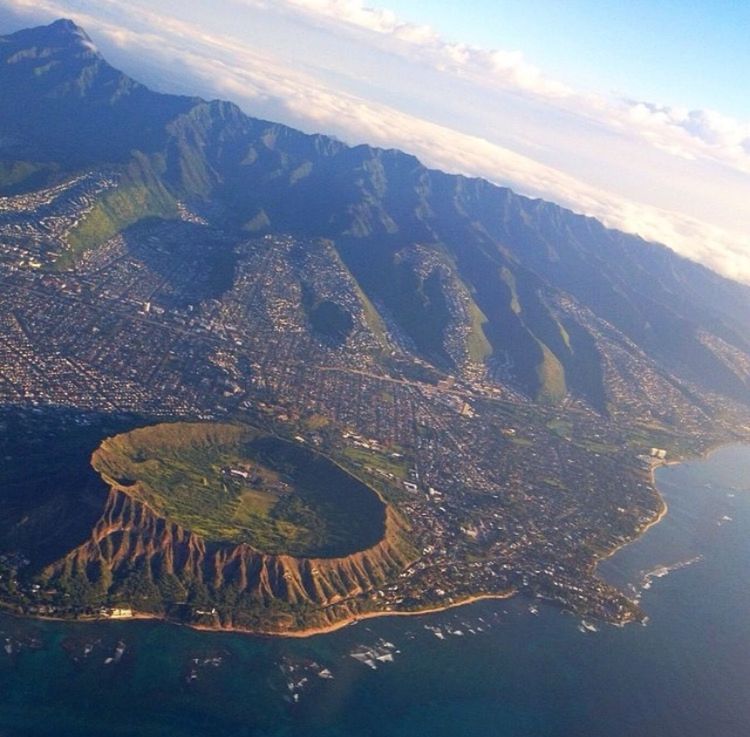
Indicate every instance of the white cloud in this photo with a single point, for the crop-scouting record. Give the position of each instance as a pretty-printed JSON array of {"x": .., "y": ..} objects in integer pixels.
[
  {"x": 200, "y": 57},
  {"x": 694, "y": 133},
  {"x": 689, "y": 134},
  {"x": 422, "y": 43}
]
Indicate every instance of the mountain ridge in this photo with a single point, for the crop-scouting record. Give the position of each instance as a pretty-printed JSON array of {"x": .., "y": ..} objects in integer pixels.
[
  {"x": 502, "y": 371},
  {"x": 508, "y": 256}
]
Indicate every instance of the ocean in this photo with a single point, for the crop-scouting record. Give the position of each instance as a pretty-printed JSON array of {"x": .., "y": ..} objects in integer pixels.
[{"x": 514, "y": 668}]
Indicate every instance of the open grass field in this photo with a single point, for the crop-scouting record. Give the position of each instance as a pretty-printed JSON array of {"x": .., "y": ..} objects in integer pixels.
[{"x": 231, "y": 482}]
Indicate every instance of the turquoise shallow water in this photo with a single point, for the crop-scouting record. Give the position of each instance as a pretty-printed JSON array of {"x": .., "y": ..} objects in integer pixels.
[{"x": 492, "y": 668}]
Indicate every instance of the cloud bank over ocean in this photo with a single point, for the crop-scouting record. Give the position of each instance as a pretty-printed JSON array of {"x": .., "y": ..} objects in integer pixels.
[{"x": 678, "y": 176}]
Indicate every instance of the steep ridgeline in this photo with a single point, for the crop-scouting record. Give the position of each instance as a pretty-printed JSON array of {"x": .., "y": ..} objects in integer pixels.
[
  {"x": 468, "y": 276},
  {"x": 136, "y": 557}
]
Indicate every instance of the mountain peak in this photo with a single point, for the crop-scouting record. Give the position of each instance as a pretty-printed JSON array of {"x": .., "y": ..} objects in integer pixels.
[
  {"x": 422, "y": 243},
  {"x": 67, "y": 29},
  {"x": 63, "y": 32},
  {"x": 66, "y": 25}
]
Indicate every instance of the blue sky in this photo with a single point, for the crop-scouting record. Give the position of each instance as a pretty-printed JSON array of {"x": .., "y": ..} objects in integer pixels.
[
  {"x": 678, "y": 52},
  {"x": 635, "y": 113}
]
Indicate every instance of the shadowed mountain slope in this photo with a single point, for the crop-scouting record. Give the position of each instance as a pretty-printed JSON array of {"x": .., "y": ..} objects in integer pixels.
[{"x": 471, "y": 275}]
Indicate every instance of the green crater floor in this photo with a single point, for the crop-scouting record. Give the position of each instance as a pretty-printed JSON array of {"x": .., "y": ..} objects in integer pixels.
[{"x": 233, "y": 483}]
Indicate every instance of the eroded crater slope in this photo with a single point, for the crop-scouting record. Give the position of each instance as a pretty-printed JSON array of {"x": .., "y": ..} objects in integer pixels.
[{"x": 225, "y": 525}]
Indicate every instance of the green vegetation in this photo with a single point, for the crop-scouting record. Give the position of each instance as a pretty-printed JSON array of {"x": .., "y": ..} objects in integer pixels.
[
  {"x": 331, "y": 320},
  {"x": 555, "y": 483},
  {"x": 649, "y": 435},
  {"x": 316, "y": 422},
  {"x": 327, "y": 318},
  {"x": 561, "y": 427},
  {"x": 138, "y": 196},
  {"x": 420, "y": 305},
  {"x": 16, "y": 176},
  {"x": 372, "y": 316},
  {"x": 392, "y": 467},
  {"x": 551, "y": 376},
  {"x": 522, "y": 442},
  {"x": 563, "y": 333},
  {"x": 231, "y": 482},
  {"x": 478, "y": 346},
  {"x": 507, "y": 276},
  {"x": 596, "y": 447}
]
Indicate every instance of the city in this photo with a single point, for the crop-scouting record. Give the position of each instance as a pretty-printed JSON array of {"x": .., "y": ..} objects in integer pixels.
[{"x": 175, "y": 320}]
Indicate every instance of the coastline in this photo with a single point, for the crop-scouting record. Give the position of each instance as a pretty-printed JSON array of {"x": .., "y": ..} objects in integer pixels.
[
  {"x": 313, "y": 631},
  {"x": 655, "y": 465},
  {"x": 352, "y": 619},
  {"x": 291, "y": 634},
  {"x": 660, "y": 515}
]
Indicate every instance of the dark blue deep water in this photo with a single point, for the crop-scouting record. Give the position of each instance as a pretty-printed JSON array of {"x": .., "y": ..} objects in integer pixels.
[{"x": 492, "y": 668}]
